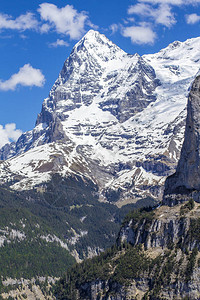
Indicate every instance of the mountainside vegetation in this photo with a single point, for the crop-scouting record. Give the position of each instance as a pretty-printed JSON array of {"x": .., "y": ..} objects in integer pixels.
[
  {"x": 127, "y": 271},
  {"x": 41, "y": 229},
  {"x": 88, "y": 166}
]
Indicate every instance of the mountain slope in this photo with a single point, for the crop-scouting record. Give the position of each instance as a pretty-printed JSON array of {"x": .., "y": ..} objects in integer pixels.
[
  {"x": 157, "y": 257},
  {"x": 43, "y": 231},
  {"x": 157, "y": 254},
  {"x": 30, "y": 244},
  {"x": 114, "y": 118}
]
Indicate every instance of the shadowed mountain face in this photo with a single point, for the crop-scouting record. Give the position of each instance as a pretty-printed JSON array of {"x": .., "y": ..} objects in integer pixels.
[
  {"x": 111, "y": 117},
  {"x": 186, "y": 180}
]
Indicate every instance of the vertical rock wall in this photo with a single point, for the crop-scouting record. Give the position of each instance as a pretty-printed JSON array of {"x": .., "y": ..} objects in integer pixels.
[{"x": 186, "y": 181}]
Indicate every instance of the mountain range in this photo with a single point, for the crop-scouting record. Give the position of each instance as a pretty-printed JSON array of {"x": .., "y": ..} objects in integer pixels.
[
  {"x": 108, "y": 135},
  {"x": 113, "y": 118}
]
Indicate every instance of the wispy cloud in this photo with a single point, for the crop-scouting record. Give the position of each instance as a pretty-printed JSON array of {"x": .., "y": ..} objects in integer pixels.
[
  {"x": 114, "y": 28},
  {"x": 66, "y": 20},
  {"x": 23, "y": 22},
  {"x": 9, "y": 133},
  {"x": 160, "y": 15},
  {"x": 153, "y": 13},
  {"x": 139, "y": 34},
  {"x": 172, "y": 2},
  {"x": 59, "y": 43},
  {"x": 192, "y": 18},
  {"x": 27, "y": 76}
]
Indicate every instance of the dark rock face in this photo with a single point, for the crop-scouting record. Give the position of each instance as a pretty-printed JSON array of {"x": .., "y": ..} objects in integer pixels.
[
  {"x": 186, "y": 180},
  {"x": 139, "y": 96},
  {"x": 162, "y": 238},
  {"x": 159, "y": 233}
]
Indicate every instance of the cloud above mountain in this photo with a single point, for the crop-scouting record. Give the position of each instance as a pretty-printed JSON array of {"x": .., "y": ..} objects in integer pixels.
[
  {"x": 146, "y": 17},
  {"x": 73, "y": 23},
  {"x": 139, "y": 34},
  {"x": 23, "y": 22},
  {"x": 192, "y": 18},
  {"x": 66, "y": 20},
  {"x": 59, "y": 43},
  {"x": 26, "y": 76},
  {"x": 160, "y": 15},
  {"x": 172, "y": 2}
]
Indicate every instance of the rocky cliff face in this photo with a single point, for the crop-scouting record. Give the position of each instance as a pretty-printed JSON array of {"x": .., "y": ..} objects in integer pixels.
[
  {"x": 139, "y": 289},
  {"x": 186, "y": 180},
  {"x": 115, "y": 118},
  {"x": 163, "y": 228},
  {"x": 157, "y": 257}
]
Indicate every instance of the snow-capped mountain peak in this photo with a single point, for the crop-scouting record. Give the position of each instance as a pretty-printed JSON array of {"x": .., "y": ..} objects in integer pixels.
[
  {"x": 115, "y": 118},
  {"x": 98, "y": 44}
]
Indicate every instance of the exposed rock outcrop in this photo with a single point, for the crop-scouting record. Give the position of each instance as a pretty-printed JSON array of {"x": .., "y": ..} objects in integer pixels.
[
  {"x": 186, "y": 180},
  {"x": 163, "y": 227},
  {"x": 157, "y": 257}
]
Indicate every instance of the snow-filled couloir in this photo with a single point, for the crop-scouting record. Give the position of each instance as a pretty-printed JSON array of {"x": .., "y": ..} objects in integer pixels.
[{"x": 113, "y": 117}]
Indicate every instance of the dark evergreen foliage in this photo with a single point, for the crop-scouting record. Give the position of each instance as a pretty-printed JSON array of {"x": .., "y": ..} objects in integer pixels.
[{"x": 61, "y": 205}]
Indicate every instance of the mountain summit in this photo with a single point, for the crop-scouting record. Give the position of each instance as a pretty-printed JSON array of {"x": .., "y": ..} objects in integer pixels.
[
  {"x": 99, "y": 45},
  {"x": 111, "y": 117}
]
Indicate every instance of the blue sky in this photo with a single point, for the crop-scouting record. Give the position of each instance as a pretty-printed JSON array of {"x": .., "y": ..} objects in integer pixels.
[{"x": 36, "y": 37}]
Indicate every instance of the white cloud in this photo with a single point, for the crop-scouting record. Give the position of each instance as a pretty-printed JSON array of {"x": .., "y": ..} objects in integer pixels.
[
  {"x": 27, "y": 76},
  {"x": 114, "y": 28},
  {"x": 9, "y": 133},
  {"x": 66, "y": 20},
  {"x": 172, "y": 2},
  {"x": 23, "y": 22},
  {"x": 90, "y": 24},
  {"x": 161, "y": 15},
  {"x": 139, "y": 34},
  {"x": 23, "y": 36},
  {"x": 164, "y": 16},
  {"x": 140, "y": 9},
  {"x": 151, "y": 13},
  {"x": 44, "y": 28},
  {"x": 192, "y": 19},
  {"x": 131, "y": 20},
  {"x": 59, "y": 43}
]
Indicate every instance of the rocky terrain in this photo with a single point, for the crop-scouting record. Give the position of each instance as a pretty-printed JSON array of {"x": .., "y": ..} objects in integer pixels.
[
  {"x": 109, "y": 133},
  {"x": 111, "y": 117},
  {"x": 157, "y": 254},
  {"x": 186, "y": 180},
  {"x": 36, "y": 288}
]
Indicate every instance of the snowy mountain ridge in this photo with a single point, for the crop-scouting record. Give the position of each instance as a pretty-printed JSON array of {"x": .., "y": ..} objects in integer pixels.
[{"x": 115, "y": 118}]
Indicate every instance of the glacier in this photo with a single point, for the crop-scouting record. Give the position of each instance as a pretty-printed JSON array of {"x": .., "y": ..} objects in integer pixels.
[{"x": 111, "y": 117}]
